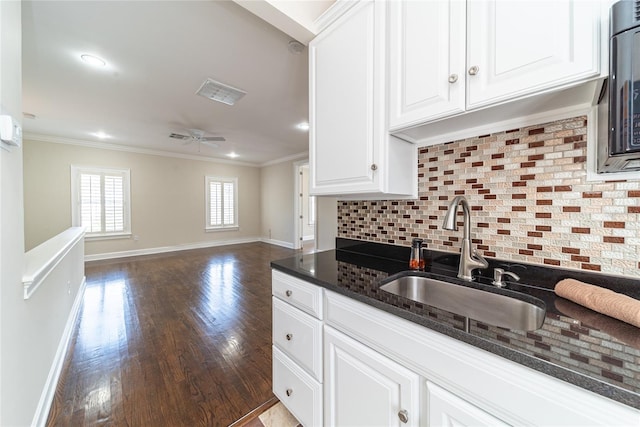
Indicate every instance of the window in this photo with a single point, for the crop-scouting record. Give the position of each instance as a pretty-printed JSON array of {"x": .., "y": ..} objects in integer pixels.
[
  {"x": 222, "y": 203},
  {"x": 100, "y": 201}
]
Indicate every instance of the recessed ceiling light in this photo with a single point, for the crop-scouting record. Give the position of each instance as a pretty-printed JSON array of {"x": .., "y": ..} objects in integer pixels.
[
  {"x": 303, "y": 126},
  {"x": 233, "y": 155},
  {"x": 101, "y": 135},
  {"x": 93, "y": 60}
]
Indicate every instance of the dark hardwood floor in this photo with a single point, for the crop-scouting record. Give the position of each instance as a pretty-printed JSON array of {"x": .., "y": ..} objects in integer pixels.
[{"x": 180, "y": 339}]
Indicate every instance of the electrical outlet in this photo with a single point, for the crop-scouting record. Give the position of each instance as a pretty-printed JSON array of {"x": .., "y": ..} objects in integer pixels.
[{"x": 136, "y": 237}]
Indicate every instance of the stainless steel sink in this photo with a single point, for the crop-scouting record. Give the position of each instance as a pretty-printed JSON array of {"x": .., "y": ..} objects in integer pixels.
[{"x": 519, "y": 312}]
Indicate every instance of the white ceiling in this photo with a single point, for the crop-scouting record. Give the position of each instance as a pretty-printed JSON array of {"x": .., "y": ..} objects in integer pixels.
[{"x": 158, "y": 53}]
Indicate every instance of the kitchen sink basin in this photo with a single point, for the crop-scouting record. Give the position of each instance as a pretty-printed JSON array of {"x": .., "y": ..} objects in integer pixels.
[{"x": 496, "y": 307}]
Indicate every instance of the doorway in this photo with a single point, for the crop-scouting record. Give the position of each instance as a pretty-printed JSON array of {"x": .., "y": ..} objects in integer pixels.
[{"x": 305, "y": 210}]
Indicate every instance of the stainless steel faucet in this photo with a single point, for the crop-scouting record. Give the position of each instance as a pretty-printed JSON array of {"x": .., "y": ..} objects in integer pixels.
[{"x": 469, "y": 259}]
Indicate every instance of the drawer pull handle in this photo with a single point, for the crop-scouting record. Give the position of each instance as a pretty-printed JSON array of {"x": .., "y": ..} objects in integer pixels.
[
  {"x": 453, "y": 78},
  {"x": 474, "y": 70},
  {"x": 288, "y": 293},
  {"x": 289, "y": 337},
  {"x": 404, "y": 416},
  {"x": 289, "y": 392}
]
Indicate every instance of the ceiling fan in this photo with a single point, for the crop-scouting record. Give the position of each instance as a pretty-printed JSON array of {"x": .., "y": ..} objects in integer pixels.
[{"x": 197, "y": 135}]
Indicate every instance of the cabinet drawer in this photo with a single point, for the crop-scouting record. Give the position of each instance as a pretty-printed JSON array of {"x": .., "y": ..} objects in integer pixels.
[
  {"x": 300, "y": 393},
  {"x": 300, "y": 294},
  {"x": 299, "y": 336}
]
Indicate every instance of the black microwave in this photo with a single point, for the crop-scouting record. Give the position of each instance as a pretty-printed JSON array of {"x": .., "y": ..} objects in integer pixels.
[{"x": 620, "y": 149}]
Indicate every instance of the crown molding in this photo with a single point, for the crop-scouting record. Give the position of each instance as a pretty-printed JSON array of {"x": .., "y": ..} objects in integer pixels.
[
  {"x": 285, "y": 159},
  {"x": 128, "y": 149}
]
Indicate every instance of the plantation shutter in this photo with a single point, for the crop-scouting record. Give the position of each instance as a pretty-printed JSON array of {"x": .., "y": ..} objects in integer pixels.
[
  {"x": 101, "y": 198},
  {"x": 229, "y": 204},
  {"x": 215, "y": 203},
  {"x": 221, "y": 203},
  {"x": 91, "y": 203},
  {"x": 113, "y": 203}
]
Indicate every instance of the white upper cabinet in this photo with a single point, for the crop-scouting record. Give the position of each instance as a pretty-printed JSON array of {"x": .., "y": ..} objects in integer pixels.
[
  {"x": 350, "y": 149},
  {"x": 519, "y": 47},
  {"x": 449, "y": 57},
  {"x": 426, "y": 60}
]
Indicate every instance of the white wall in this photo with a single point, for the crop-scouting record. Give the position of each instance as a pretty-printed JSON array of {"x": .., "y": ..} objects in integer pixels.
[
  {"x": 326, "y": 223},
  {"x": 12, "y": 341},
  {"x": 308, "y": 229},
  {"x": 277, "y": 195},
  {"x": 278, "y": 216},
  {"x": 30, "y": 330},
  {"x": 167, "y": 197}
]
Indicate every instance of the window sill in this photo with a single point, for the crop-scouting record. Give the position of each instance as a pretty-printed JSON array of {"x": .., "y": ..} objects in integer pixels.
[
  {"x": 214, "y": 229},
  {"x": 112, "y": 236}
]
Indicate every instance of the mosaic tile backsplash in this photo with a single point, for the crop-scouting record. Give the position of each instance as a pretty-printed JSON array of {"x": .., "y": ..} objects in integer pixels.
[{"x": 529, "y": 197}]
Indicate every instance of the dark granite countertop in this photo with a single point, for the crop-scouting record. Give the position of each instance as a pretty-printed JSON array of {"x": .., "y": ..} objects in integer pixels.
[{"x": 575, "y": 344}]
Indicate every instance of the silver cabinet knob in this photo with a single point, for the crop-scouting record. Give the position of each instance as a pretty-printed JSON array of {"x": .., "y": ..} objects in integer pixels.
[
  {"x": 404, "y": 416},
  {"x": 453, "y": 78},
  {"x": 288, "y": 293},
  {"x": 473, "y": 70},
  {"x": 289, "y": 337},
  {"x": 289, "y": 392},
  {"x": 374, "y": 167}
]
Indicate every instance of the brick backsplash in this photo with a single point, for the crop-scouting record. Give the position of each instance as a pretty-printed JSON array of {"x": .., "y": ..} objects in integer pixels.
[{"x": 529, "y": 197}]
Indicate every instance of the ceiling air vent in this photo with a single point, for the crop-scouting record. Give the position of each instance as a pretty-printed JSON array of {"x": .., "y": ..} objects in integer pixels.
[
  {"x": 220, "y": 92},
  {"x": 637, "y": 8}
]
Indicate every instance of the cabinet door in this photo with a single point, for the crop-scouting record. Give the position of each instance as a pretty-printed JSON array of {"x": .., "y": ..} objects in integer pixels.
[
  {"x": 426, "y": 60},
  {"x": 364, "y": 388},
  {"x": 447, "y": 409},
  {"x": 520, "y": 47},
  {"x": 344, "y": 88}
]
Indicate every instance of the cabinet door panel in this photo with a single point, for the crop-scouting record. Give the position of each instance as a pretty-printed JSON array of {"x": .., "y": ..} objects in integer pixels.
[
  {"x": 341, "y": 102},
  {"x": 521, "y": 47},
  {"x": 448, "y": 410},
  {"x": 364, "y": 388},
  {"x": 426, "y": 48}
]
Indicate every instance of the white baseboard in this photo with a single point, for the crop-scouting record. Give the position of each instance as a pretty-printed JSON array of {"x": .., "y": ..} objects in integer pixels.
[
  {"x": 308, "y": 238},
  {"x": 164, "y": 249},
  {"x": 49, "y": 390},
  {"x": 278, "y": 242}
]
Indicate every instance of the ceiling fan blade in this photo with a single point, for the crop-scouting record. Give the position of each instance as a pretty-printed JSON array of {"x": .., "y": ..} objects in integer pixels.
[
  {"x": 213, "y": 138},
  {"x": 178, "y": 136},
  {"x": 208, "y": 144}
]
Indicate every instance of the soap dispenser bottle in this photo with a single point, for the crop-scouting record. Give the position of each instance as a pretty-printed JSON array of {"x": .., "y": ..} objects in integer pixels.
[{"x": 416, "y": 261}]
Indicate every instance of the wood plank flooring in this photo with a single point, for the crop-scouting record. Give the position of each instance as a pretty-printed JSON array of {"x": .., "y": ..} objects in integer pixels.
[{"x": 180, "y": 339}]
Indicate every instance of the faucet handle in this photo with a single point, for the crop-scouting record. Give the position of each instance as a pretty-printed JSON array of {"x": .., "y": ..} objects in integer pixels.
[
  {"x": 479, "y": 258},
  {"x": 499, "y": 273}
]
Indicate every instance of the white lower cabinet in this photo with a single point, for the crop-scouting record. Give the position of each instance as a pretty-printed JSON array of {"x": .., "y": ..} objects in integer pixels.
[
  {"x": 371, "y": 368},
  {"x": 297, "y": 347},
  {"x": 365, "y": 388},
  {"x": 447, "y": 409}
]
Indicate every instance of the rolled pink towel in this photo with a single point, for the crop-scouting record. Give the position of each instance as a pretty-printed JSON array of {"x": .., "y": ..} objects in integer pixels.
[{"x": 602, "y": 300}]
